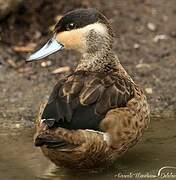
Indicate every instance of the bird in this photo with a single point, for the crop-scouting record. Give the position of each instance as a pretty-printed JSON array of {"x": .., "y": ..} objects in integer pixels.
[{"x": 97, "y": 112}]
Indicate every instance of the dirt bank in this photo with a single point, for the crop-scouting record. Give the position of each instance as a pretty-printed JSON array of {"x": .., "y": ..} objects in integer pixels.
[{"x": 145, "y": 41}]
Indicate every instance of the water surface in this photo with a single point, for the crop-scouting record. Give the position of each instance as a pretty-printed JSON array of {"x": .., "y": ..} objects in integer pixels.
[{"x": 20, "y": 160}]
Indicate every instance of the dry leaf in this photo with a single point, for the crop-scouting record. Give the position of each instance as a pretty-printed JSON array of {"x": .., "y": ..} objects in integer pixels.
[
  {"x": 61, "y": 70},
  {"x": 12, "y": 63},
  {"x": 143, "y": 65},
  {"x": 28, "y": 48},
  {"x": 149, "y": 90}
]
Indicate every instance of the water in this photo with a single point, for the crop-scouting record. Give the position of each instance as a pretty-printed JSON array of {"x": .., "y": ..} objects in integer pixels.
[{"x": 20, "y": 160}]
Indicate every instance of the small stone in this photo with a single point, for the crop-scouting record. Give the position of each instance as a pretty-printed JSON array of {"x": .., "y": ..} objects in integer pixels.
[
  {"x": 148, "y": 90},
  {"x": 136, "y": 46},
  {"x": 151, "y": 26},
  {"x": 17, "y": 125},
  {"x": 46, "y": 64},
  {"x": 157, "y": 38}
]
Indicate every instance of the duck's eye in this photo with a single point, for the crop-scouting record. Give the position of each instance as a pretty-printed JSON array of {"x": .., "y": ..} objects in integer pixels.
[{"x": 70, "y": 26}]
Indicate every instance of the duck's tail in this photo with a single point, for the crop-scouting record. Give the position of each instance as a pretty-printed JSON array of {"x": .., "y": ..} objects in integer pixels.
[{"x": 52, "y": 142}]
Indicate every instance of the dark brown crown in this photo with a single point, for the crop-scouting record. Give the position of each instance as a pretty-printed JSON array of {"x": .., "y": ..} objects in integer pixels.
[{"x": 79, "y": 18}]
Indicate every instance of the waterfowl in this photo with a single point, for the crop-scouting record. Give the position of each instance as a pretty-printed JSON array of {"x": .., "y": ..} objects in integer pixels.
[{"x": 96, "y": 113}]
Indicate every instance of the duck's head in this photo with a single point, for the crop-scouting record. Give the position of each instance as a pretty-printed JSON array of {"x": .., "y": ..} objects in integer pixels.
[{"x": 84, "y": 30}]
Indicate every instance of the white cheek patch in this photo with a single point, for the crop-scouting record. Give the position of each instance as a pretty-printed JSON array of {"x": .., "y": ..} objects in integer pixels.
[
  {"x": 98, "y": 27},
  {"x": 76, "y": 38}
]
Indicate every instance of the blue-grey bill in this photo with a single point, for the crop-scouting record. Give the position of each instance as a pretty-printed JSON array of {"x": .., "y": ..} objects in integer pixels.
[{"x": 50, "y": 47}]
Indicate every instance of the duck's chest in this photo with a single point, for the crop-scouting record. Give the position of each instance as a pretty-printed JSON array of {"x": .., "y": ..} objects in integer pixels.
[{"x": 82, "y": 101}]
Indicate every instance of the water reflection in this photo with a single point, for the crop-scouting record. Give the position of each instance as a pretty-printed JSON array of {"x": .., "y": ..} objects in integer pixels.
[{"x": 20, "y": 160}]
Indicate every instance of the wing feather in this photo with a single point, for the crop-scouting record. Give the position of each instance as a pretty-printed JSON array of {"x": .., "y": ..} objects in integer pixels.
[{"x": 83, "y": 91}]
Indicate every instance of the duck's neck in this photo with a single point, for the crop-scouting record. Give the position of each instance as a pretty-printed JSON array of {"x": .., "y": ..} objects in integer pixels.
[{"x": 99, "y": 61}]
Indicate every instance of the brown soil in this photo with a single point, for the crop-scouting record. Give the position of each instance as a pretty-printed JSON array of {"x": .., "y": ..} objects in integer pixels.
[{"x": 136, "y": 25}]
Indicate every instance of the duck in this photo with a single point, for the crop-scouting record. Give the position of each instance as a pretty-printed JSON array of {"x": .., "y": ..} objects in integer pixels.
[{"x": 97, "y": 112}]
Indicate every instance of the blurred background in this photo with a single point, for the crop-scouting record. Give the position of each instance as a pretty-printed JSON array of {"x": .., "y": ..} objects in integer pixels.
[{"x": 145, "y": 42}]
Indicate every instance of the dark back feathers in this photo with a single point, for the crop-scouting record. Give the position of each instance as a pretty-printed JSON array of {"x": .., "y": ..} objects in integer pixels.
[{"x": 82, "y": 100}]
